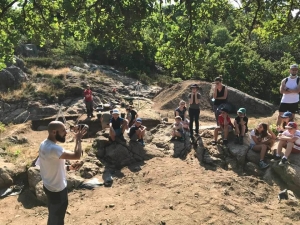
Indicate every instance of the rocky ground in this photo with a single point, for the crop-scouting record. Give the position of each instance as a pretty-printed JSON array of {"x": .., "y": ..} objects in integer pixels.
[{"x": 163, "y": 183}]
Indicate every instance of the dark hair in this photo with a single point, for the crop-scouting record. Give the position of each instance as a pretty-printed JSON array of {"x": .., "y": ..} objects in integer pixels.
[
  {"x": 264, "y": 132},
  {"x": 219, "y": 79}
]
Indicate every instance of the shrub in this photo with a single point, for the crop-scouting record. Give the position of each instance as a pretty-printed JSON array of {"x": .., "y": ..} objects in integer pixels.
[{"x": 40, "y": 62}]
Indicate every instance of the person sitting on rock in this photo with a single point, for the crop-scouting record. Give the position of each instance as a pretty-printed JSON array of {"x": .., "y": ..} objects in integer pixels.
[
  {"x": 286, "y": 117},
  {"x": 241, "y": 126},
  {"x": 225, "y": 126},
  {"x": 134, "y": 115},
  {"x": 290, "y": 140},
  {"x": 137, "y": 131},
  {"x": 262, "y": 139},
  {"x": 117, "y": 126},
  {"x": 128, "y": 114},
  {"x": 177, "y": 129},
  {"x": 181, "y": 110}
]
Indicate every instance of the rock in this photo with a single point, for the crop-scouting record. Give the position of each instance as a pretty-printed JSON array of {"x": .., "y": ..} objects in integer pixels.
[
  {"x": 289, "y": 173},
  {"x": 181, "y": 148},
  {"x": 88, "y": 170},
  {"x": 7, "y": 80},
  {"x": 253, "y": 169},
  {"x": 39, "y": 192},
  {"x": 239, "y": 152},
  {"x": 34, "y": 177},
  {"x": 253, "y": 156},
  {"x": 8, "y": 171},
  {"x": 28, "y": 50},
  {"x": 73, "y": 181},
  {"x": 5, "y": 178},
  {"x": 18, "y": 74},
  {"x": 17, "y": 140}
]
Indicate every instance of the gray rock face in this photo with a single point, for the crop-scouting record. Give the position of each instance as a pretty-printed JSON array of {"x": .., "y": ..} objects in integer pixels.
[
  {"x": 34, "y": 177},
  {"x": 7, "y": 80},
  {"x": 28, "y": 50},
  {"x": 7, "y": 173}
]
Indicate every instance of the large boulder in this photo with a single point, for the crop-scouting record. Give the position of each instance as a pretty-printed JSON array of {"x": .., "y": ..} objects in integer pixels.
[
  {"x": 7, "y": 80},
  {"x": 8, "y": 172},
  {"x": 34, "y": 177},
  {"x": 18, "y": 74},
  {"x": 28, "y": 50}
]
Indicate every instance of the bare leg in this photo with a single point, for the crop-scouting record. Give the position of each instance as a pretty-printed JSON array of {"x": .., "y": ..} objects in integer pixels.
[
  {"x": 236, "y": 130},
  {"x": 216, "y": 132},
  {"x": 225, "y": 130},
  {"x": 243, "y": 130},
  {"x": 262, "y": 148},
  {"x": 278, "y": 122},
  {"x": 288, "y": 149},
  {"x": 279, "y": 147},
  {"x": 112, "y": 134}
]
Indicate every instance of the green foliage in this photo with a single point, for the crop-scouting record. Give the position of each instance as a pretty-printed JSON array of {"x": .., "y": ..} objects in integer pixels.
[
  {"x": 2, "y": 127},
  {"x": 273, "y": 128}
]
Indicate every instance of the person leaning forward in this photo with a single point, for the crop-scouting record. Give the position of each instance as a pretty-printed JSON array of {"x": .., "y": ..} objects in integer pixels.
[
  {"x": 53, "y": 170},
  {"x": 289, "y": 88}
]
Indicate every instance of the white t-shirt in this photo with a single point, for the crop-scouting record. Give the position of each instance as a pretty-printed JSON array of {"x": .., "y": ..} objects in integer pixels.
[
  {"x": 52, "y": 168},
  {"x": 252, "y": 133},
  {"x": 291, "y": 97},
  {"x": 297, "y": 135}
]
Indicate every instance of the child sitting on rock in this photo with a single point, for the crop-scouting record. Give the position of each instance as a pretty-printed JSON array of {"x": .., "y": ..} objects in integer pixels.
[
  {"x": 137, "y": 132},
  {"x": 225, "y": 126},
  {"x": 177, "y": 130},
  {"x": 240, "y": 124},
  {"x": 262, "y": 139},
  {"x": 117, "y": 126},
  {"x": 285, "y": 119}
]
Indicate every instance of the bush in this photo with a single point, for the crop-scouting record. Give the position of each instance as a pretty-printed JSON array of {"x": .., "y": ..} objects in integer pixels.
[
  {"x": 39, "y": 62},
  {"x": 56, "y": 82}
]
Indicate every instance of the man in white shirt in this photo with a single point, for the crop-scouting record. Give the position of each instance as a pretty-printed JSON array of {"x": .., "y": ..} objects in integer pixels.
[
  {"x": 289, "y": 139},
  {"x": 289, "y": 88},
  {"x": 53, "y": 170}
]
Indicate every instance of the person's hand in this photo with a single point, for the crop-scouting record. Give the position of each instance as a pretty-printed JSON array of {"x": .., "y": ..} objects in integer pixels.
[
  {"x": 76, "y": 165},
  {"x": 80, "y": 133}
]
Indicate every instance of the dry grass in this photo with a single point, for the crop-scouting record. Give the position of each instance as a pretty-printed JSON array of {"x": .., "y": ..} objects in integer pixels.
[
  {"x": 17, "y": 94},
  {"x": 54, "y": 72},
  {"x": 21, "y": 155}
]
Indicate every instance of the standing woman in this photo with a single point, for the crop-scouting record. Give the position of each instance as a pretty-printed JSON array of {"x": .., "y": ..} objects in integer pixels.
[
  {"x": 194, "y": 109},
  {"x": 220, "y": 96}
]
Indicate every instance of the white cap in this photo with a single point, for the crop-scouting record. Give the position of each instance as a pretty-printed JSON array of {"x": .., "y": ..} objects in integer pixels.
[
  {"x": 294, "y": 66},
  {"x": 116, "y": 111}
]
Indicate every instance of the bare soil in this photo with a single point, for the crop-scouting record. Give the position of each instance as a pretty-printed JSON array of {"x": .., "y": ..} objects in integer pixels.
[{"x": 158, "y": 191}]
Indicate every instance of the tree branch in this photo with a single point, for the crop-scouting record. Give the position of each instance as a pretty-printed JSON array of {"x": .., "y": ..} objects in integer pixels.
[
  {"x": 254, "y": 19},
  {"x": 6, "y": 8}
]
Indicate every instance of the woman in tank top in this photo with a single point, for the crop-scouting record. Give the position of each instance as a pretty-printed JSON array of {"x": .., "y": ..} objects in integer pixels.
[
  {"x": 220, "y": 96},
  {"x": 181, "y": 110}
]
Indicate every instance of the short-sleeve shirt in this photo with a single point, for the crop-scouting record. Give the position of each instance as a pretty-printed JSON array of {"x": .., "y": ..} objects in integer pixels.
[
  {"x": 88, "y": 95},
  {"x": 194, "y": 105},
  {"x": 180, "y": 112},
  {"x": 52, "y": 168},
  {"x": 238, "y": 120},
  {"x": 180, "y": 127},
  {"x": 221, "y": 120},
  {"x": 297, "y": 135},
  {"x": 132, "y": 130},
  {"x": 116, "y": 124}
]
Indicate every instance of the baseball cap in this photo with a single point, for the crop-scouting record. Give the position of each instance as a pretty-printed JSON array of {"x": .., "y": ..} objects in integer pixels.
[
  {"x": 291, "y": 125},
  {"x": 294, "y": 66},
  {"x": 194, "y": 86},
  {"x": 242, "y": 110},
  {"x": 287, "y": 114},
  {"x": 115, "y": 111},
  {"x": 178, "y": 117},
  {"x": 139, "y": 120},
  {"x": 224, "y": 110}
]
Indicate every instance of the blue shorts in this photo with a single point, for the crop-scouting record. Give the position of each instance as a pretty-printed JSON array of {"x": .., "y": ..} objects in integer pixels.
[{"x": 118, "y": 132}]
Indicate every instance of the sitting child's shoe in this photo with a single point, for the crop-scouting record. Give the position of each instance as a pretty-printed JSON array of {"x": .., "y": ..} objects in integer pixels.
[
  {"x": 141, "y": 141},
  {"x": 283, "y": 162},
  {"x": 225, "y": 142},
  {"x": 236, "y": 140},
  {"x": 276, "y": 158},
  {"x": 241, "y": 140},
  {"x": 263, "y": 165},
  {"x": 213, "y": 142}
]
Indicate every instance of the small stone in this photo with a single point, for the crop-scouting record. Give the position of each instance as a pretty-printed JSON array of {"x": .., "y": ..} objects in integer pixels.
[
  {"x": 171, "y": 207},
  {"x": 111, "y": 205}
]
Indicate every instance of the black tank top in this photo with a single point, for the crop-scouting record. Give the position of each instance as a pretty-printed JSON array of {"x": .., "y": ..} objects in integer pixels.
[{"x": 220, "y": 94}]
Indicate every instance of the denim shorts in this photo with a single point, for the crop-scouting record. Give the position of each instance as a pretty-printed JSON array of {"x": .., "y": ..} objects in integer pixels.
[{"x": 251, "y": 146}]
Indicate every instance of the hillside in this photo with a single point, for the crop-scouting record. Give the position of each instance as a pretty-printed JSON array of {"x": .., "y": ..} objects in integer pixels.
[{"x": 160, "y": 190}]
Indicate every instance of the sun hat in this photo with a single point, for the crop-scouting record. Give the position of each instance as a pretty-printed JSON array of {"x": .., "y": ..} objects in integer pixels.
[
  {"x": 291, "y": 125},
  {"x": 242, "y": 110},
  {"x": 224, "y": 110},
  {"x": 115, "y": 111},
  {"x": 294, "y": 66},
  {"x": 139, "y": 120},
  {"x": 178, "y": 117},
  {"x": 287, "y": 114},
  {"x": 194, "y": 86}
]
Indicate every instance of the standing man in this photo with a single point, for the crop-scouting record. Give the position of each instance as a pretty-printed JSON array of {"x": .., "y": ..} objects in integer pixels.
[
  {"x": 194, "y": 109},
  {"x": 88, "y": 99},
  {"x": 53, "y": 170},
  {"x": 290, "y": 89}
]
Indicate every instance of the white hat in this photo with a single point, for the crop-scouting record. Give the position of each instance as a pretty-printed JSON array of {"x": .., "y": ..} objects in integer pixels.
[
  {"x": 115, "y": 111},
  {"x": 294, "y": 66}
]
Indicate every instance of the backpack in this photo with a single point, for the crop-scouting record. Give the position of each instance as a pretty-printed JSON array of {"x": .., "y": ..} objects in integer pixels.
[{"x": 298, "y": 78}]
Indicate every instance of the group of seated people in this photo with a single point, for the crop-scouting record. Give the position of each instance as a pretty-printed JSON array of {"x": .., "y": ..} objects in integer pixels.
[{"x": 132, "y": 124}]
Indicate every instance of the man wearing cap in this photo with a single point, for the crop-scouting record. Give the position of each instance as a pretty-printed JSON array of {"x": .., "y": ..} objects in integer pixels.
[
  {"x": 194, "y": 109},
  {"x": 286, "y": 117},
  {"x": 225, "y": 126},
  {"x": 241, "y": 126},
  {"x": 88, "y": 100},
  {"x": 290, "y": 140},
  {"x": 117, "y": 126},
  {"x": 289, "y": 88},
  {"x": 137, "y": 132}
]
